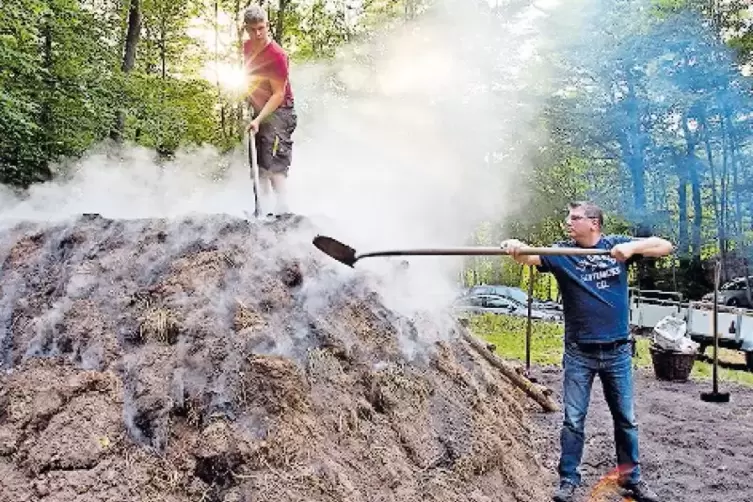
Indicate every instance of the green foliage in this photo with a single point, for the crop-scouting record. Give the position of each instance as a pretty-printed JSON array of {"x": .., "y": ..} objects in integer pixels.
[
  {"x": 508, "y": 334},
  {"x": 320, "y": 30},
  {"x": 53, "y": 83},
  {"x": 743, "y": 44},
  {"x": 169, "y": 112},
  {"x": 62, "y": 88},
  {"x": 618, "y": 134}
]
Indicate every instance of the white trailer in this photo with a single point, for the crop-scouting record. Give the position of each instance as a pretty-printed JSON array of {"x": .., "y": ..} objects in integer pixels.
[{"x": 735, "y": 325}]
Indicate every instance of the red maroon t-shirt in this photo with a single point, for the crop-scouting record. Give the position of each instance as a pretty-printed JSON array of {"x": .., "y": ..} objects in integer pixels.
[{"x": 270, "y": 64}]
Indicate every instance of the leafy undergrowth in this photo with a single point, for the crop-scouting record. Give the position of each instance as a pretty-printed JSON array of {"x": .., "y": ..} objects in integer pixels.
[{"x": 508, "y": 334}]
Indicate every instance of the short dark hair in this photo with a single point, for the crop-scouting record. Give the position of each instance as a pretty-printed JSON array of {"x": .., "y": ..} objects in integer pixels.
[{"x": 590, "y": 209}]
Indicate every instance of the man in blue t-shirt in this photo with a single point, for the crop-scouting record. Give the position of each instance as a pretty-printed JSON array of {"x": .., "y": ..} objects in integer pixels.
[{"x": 597, "y": 340}]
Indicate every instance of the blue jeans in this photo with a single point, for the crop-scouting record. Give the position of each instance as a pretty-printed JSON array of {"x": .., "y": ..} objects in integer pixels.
[{"x": 615, "y": 370}]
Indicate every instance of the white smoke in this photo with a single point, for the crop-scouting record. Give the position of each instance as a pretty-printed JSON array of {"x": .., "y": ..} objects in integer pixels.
[{"x": 411, "y": 139}]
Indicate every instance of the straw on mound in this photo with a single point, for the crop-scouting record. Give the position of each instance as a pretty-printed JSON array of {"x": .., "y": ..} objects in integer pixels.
[{"x": 213, "y": 359}]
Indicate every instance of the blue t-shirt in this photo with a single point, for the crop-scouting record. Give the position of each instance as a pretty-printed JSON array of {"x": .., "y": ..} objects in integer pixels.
[{"x": 594, "y": 292}]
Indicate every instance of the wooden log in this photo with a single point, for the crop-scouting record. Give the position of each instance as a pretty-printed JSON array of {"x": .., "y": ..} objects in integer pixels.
[{"x": 533, "y": 390}]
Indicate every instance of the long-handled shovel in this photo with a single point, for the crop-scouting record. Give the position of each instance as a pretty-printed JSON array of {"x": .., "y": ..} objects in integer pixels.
[
  {"x": 347, "y": 255},
  {"x": 252, "y": 158}
]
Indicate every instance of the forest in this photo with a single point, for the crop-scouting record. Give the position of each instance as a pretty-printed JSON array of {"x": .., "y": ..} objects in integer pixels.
[{"x": 647, "y": 112}]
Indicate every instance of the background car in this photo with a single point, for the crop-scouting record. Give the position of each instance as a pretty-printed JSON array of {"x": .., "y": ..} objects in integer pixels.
[
  {"x": 732, "y": 293},
  {"x": 513, "y": 293},
  {"x": 497, "y": 304}
]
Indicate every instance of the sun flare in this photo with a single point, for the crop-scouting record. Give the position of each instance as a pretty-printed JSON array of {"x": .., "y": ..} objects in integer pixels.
[{"x": 230, "y": 77}]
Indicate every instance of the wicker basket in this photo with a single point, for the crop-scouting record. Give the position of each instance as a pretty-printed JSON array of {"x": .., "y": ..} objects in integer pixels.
[{"x": 669, "y": 365}]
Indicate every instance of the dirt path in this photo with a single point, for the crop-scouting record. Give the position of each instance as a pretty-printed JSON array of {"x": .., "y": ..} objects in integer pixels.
[{"x": 692, "y": 451}]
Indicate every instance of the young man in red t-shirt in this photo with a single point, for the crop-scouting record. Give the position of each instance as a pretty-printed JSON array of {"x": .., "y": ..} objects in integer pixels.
[{"x": 271, "y": 100}]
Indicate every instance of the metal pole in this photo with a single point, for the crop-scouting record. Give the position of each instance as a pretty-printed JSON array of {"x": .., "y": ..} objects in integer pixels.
[
  {"x": 715, "y": 396},
  {"x": 528, "y": 323},
  {"x": 715, "y": 324}
]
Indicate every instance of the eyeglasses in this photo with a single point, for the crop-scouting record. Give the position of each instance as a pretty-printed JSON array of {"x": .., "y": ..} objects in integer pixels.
[{"x": 577, "y": 217}]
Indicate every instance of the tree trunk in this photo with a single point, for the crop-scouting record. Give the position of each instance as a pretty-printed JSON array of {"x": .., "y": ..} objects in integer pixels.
[
  {"x": 163, "y": 50},
  {"x": 410, "y": 9},
  {"x": 239, "y": 48},
  {"x": 132, "y": 36},
  {"x": 633, "y": 144},
  {"x": 43, "y": 171},
  {"x": 723, "y": 204},
  {"x": 715, "y": 202},
  {"x": 704, "y": 129},
  {"x": 280, "y": 21},
  {"x": 695, "y": 185},
  {"x": 736, "y": 187},
  {"x": 217, "y": 45},
  {"x": 690, "y": 169},
  {"x": 683, "y": 244},
  {"x": 129, "y": 60},
  {"x": 45, "y": 114}
]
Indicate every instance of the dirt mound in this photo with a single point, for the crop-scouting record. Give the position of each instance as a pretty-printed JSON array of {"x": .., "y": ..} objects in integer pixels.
[{"x": 215, "y": 359}]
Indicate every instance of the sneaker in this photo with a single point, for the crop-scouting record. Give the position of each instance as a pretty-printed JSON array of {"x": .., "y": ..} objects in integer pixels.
[
  {"x": 564, "y": 493},
  {"x": 641, "y": 492}
]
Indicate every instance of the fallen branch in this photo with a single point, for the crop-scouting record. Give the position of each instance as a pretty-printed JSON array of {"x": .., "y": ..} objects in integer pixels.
[{"x": 507, "y": 370}]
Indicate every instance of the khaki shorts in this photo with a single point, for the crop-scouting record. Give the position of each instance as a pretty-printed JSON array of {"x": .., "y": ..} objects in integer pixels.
[{"x": 274, "y": 142}]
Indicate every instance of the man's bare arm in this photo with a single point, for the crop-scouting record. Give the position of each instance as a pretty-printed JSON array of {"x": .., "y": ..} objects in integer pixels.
[
  {"x": 274, "y": 102},
  {"x": 513, "y": 245},
  {"x": 652, "y": 247}
]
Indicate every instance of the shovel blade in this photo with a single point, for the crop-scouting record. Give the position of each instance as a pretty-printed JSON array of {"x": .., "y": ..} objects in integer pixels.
[{"x": 336, "y": 249}]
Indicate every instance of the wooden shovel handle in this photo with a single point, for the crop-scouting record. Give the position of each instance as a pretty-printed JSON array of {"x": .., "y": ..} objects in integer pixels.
[{"x": 475, "y": 251}]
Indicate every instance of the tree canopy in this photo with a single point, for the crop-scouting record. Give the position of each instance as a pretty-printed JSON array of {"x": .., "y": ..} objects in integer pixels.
[{"x": 648, "y": 111}]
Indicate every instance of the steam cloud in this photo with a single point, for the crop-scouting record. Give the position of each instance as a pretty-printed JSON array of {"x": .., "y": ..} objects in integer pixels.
[{"x": 409, "y": 139}]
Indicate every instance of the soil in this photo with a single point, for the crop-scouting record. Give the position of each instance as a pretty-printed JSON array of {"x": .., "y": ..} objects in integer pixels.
[
  {"x": 691, "y": 450},
  {"x": 216, "y": 359}
]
